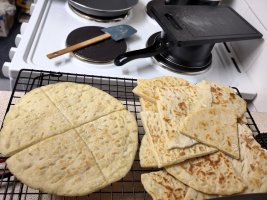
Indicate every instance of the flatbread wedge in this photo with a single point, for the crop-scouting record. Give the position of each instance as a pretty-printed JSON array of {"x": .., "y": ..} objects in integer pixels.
[
  {"x": 226, "y": 97},
  {"x": 81, "y": 103},
  {"x": 211, "y": 174},
  {"x": 162, "y": 186},
  {"x": 174, "y": 105},
  {"x": 165, "y": 157},
  {"x": 113, "y": 141},
  {"x": 252, "y": 166},
  {"x": 31, "y": 120},
  {"x": 147, "y": 88},
  {"x": 60, "y": 165},
  {"x": 146, "y": 156},
  {"x": 216, "y": 127}
]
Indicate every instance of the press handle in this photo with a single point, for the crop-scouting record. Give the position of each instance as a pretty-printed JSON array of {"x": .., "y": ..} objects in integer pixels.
[{"x": 156, "y": 48}]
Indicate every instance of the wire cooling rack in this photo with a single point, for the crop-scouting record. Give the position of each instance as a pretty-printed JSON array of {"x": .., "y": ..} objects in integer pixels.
[{"x": 128, "y": 188}]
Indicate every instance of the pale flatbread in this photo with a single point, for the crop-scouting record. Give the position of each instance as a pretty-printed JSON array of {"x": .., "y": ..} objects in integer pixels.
[
  {"x": 31, "y": 120},
  {"x": 174, "y": 105},
  {"x": 216, "y": 127},
  {"x": 252, "y": 166},
  {"x": 81, "y": 103},
  {"x": 165, "y": 157},
  {"x": 60, "y": 165},
  {"x": 226, "y": 97},
  {"x": 113, "y": 140},
  {"x": 162, "y": 186},
  {"x": 146, "y": 156},
  {"x": 211, "y": 174},
  {"x": 147, "y": 88},
  {"x": 148, "y": 106}
]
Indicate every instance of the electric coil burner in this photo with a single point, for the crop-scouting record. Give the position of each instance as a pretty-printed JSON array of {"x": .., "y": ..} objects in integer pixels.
[
  {"x": 99, "y": 18},
  {"x": 101, "y": 52}
]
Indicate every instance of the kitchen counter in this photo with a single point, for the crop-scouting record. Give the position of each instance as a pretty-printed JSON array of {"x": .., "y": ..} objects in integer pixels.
[{"x": 259, "y": 117}]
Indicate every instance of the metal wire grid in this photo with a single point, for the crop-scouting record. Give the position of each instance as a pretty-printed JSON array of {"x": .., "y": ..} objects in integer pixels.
[{"x": 128, "y": 188}]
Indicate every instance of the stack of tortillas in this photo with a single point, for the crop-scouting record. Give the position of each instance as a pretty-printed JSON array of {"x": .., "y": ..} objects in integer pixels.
[
  {"x": 69, "y": 139},
  {"x": 197, "y": 132}
]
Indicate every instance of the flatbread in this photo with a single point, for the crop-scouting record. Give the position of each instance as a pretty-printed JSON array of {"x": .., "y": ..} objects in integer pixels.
[
  {"x": 252, "y": 166},
  {"x": 81, "y": 103},
  {"x": 146, "y": 156},
  {"x": 113, "y": 140},
  {"x": 60, "y": 165},
  {"x": 211, "y": 174},
  {"x": 226, "y": 97},
  {"x": 148, "y": 106},
  {"x": 216, "y": 127},
  {"x": 31, "y": 120},
  {"x": 174, "y": 105},
  {"x": 147, "y": 88},
  {"x": 165, "y": 157},
  {"x": 69, "y": 139},
  {"x": 162, "y": 186}
]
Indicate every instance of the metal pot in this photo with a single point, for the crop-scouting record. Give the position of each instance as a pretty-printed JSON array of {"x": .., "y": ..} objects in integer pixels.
[{"x": 103, "y": 8}]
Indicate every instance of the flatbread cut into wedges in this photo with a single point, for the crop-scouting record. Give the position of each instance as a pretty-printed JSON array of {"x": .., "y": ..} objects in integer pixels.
[
  {"x": 147, "y": 88},
  {"x": 211, "y": 174},
  {"x": 113, "y": 140},
  {"x": 252, "y": 166},
  {"x": 165, "y": 157},
  {"x": 60, "y": 165},
  {"x": 31, "y": 120},
  {"x": 162, "y": 186},
  {"x": 174, "y": 105},
  {"x": 226, "y": 97},
  {"x": 81, "y": 103},
  {"x": 148, "y": 106},
  {"x": 146, "y": 156},
  {"x": 216, "y": 127}
]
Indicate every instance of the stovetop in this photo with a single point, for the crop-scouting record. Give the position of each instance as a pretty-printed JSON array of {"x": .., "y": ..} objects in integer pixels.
[{"x": 53, "y": 20}]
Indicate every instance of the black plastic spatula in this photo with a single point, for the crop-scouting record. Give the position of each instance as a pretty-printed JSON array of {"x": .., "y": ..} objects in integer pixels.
[{"x": 115, "y": 32}]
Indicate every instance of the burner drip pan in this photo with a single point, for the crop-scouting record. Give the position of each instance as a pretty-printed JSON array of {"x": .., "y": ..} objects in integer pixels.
[
  {"x": 178, "y": 64},
  {"x": 98, "y": 18}
]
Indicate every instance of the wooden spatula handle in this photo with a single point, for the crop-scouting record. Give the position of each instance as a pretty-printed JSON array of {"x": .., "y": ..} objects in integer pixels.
[{"x": 79, "y": 45}]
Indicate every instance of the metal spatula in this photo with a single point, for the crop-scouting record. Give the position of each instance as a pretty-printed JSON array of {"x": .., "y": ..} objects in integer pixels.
[{"x": 115, "y": 32}]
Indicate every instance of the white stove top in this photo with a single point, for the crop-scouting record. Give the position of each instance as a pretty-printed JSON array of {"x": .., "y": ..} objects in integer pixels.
[{"x": 53, "y": 20}]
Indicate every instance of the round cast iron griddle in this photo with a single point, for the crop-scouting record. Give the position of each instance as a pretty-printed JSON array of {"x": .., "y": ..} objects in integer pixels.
[
  {"x": 104, "y": 8},
  {"x": 102, "y": 52}
]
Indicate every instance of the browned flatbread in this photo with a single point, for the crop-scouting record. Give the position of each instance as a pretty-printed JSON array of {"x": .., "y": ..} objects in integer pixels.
[
  {"x": 216, "y": 127},
  {"x": 252, "y": 166},
  {"x": 165, "y": 157},
  {"x": 162, "y": 186},
  {"x": 147, "y": 88},
  {"x": 174, "y": 105},
  {"x": 211, "y": 174},
  {"x": 226, "y": 97}
]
